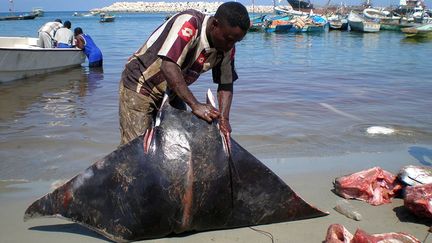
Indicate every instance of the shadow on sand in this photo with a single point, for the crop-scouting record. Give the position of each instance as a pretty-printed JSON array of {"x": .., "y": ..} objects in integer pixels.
[
  {"x": 73, "y": 228},
  {"x": 404, "y": 215}
]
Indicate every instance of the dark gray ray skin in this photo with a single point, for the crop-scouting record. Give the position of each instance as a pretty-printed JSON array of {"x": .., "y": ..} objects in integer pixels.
[{"x": 132, "y": 195}]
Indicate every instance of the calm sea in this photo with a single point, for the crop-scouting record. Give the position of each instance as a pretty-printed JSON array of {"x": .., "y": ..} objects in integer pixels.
[{"x": 297, "y": 95}]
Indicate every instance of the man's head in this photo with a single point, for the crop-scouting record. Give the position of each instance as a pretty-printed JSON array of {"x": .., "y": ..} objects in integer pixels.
[
  {"x": 67, "y": 24},
  {"x": 230, "y": 24},
  {"x": 78, "y": 31},
  {"x": 58, "y": 20}
]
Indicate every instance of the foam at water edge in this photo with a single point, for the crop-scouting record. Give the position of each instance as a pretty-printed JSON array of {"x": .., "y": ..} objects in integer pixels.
[{"x": 374, "y": 130}]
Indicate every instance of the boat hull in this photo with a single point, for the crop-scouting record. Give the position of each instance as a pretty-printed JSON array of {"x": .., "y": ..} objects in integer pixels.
[
  {"x": 107, "y": 19},
  {"x": 360, "y": 24},
  {"x": 18, "y": 17},
  {"x": 300, "y": 4},
  {"x": 21, "y": 58},
  {"x": 423, "y": 31}
]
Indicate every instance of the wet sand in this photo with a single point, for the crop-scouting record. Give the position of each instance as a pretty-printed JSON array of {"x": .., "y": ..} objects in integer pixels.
[{"x": 310, "y": 177}]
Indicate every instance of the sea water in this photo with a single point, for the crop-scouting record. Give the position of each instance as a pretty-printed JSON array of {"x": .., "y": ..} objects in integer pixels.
[{"x": 297, "y": 95}]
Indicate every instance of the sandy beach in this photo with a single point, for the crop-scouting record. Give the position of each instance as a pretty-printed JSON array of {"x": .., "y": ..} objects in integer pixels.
[
  {"x": 303, "y": 104},
  {"x": 310, "y": 177}
]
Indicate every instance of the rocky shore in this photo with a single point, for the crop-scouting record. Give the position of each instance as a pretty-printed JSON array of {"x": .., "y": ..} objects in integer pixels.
[{"x": 154, "y": 7}]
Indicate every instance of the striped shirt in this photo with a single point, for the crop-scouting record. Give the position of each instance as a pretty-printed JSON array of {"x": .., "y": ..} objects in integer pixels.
[{"x": 183, "y": 40}]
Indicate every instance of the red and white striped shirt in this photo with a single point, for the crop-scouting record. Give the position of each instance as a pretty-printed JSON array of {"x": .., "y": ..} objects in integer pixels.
[{"x": 183, "y": 40}]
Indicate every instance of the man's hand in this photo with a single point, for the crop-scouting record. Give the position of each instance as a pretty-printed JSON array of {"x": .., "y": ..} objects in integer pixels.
[{"x": 205, "y": 112}]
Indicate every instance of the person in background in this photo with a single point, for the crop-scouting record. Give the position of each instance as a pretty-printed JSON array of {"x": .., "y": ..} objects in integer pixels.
[
  {"x": 86, "y": 43},
  {"x": 173, "y": 57},
  {"x": 64, "y": 36},
  {"x": 47, "y": 32}
]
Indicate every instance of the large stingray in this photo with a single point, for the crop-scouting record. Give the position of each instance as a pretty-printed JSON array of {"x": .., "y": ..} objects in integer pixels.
[{"x": 178, "y": 177}]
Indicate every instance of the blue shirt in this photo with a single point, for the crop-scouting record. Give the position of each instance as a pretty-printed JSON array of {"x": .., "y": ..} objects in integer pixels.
[{"x": 92, "y": 52}]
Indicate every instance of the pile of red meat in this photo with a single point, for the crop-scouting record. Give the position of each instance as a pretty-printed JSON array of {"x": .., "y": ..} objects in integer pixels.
[
  {"x": 418, "y": 199},
  {"x": 375, "y": 186},
  {"x": 337, "y": 233}
]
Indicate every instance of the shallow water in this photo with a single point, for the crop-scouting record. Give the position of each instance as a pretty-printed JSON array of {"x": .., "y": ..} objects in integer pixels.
[{"x": 298, "y": 95}]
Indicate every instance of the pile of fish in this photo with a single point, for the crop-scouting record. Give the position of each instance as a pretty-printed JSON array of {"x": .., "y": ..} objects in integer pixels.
[{"x": 180, "y": 176}]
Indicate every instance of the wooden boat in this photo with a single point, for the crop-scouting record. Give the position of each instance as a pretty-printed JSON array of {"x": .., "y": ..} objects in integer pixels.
[
  {"x": 257, "y": 23},
  {"x": 372, "y": 13},
  {"x": 278, "y": 27},
  {"x": 104, "y": 17},
  {"x": 22, "y": 58},
  {"x": 422, "y": 31},
  {"x": 338, "y": 24},
  {"x": 13, "y": 16},
  {"x": 39, "y": 12},
  {"x": 313, "y": 23},
  {"x": 77, "y": 14},
  {"x": 387, "y": 20},
  {"x": 18, "y": 17},
  {"x": 278, "y": 24},
  {"x": 361, "y": 24}
]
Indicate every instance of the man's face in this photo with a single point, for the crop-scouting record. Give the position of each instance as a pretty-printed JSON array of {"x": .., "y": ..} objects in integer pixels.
[{"x": 224, "y": 36}]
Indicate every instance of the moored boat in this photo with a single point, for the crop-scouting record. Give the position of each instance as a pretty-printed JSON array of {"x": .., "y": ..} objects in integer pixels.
[
  {"x": 18, "y": 17},
  {"x": 421, "y": 31},
  {"x": 22, "y": 58},
  {"x": 13, "y": 16},
  {"x": 39, "y": 12},
  {"x": 105, "y": 17},
  {"x": 314, "y": 23},
  {"x": 278, "y": 24},
  {"x": 373, "y": 13},
  {"x": 300, "y": 4},
  {"x": 360, "y": 24},
  {"x": 338, "y": 24}
]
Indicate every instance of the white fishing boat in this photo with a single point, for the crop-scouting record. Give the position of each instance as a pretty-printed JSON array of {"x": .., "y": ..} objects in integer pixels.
[
  {"x": 21, "y": 58},
  {"x": 106, "y": 17},
  {"x": 361, "y": 24},
  {"x": 372, "y": 13},
  {"x": 38, "y": 11}
]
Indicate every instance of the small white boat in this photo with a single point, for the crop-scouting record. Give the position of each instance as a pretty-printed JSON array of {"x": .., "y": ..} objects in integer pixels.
[
  {"x": 359, "y": 23},
  {"x": 372, "y": 13},
  {"x": 39, "y": 12},
  {"x": 22, "y": 58},
  {"x": 105, "y": 17}
]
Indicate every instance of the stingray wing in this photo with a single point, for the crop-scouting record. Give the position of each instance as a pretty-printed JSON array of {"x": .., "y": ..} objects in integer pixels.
[
  {"x": 182, "y": 181},
  {"x": 261, "y": 196}
]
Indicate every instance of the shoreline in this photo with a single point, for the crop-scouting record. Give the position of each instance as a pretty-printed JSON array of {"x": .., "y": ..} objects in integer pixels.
[
  {"x": 310, "y": 177},
  {"x": 170, "y": 7}
]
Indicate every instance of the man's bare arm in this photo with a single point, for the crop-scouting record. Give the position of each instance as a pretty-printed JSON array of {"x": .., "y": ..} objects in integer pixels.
[{"x": 176, "y": 82}]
